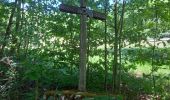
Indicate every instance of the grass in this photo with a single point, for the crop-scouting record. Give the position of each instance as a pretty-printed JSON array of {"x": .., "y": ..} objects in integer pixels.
[
  {"x": 105, "y": 98},
  {"x": 146, "y": 69}
]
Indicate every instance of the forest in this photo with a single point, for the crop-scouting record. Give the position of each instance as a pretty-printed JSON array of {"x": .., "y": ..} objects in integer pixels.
[{"x": 84, "y": 49}]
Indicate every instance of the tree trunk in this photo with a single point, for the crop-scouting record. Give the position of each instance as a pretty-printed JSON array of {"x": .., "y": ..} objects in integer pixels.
[
  {"x": 120, "y": 42},
  {"x": 21, "y": 18},
  {"x": 37, "y": 90},
  {"x": 17, "y": 28},
  {"x": 105, "y": 51},
  {"x": 8, "y": 29},
  {"x": 115, "y": 65}
]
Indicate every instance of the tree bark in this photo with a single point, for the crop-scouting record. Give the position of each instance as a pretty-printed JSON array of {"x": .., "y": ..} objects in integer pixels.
[
  {"x": 8, "y": 28},
  {"x": 120, "y": 42},
  {"x": 105, "y": 46},
  {"x": 17, "y": 28},
  {"x": 115, "y": 65}
]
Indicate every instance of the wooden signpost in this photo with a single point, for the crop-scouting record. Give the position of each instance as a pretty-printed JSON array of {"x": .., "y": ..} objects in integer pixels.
[{"x": 84, "y": 12}]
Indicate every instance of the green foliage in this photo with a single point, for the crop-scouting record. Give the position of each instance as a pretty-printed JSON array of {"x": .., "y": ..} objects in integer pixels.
[
  {"x": 46, "y": 45},
  {"x": 105, "y": 98}
]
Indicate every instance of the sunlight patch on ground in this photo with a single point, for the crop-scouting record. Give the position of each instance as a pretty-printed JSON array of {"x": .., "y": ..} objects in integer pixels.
[{"x": 146, "y": 69}]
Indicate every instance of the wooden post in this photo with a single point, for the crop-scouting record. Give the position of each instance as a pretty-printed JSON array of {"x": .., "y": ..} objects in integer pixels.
[
  {"x": 83, "y": 49},
  {"x": 84, "y": 13}
]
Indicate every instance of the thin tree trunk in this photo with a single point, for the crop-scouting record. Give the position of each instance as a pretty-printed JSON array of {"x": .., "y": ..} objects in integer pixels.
[
  {"x": 17, "y": 28},
  {"x": 27, "y": 40},
  {"x": 115, "y": 65},
  {"x": 120, "y": 44},
  {"x": 37, "y": 90},
  {"x": 153, "y": 51},
  {"x": 8, "y": 29},
  {"x": 21, "y": 24},
  {"x": 105, "y": 51}
]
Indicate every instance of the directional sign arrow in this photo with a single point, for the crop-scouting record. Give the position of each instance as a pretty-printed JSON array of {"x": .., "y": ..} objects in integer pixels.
[
  {"x": 79, "y": 10},
  {"x": 69, "y": 9}
]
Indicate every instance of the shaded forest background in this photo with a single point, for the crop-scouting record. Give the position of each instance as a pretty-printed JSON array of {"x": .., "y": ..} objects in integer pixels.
[{"x": 43, "y": 46}]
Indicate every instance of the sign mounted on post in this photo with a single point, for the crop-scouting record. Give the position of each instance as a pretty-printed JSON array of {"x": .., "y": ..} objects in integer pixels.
[
  {"x": 80, "y": 10},
  {"x": 84, "y": 12}
]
